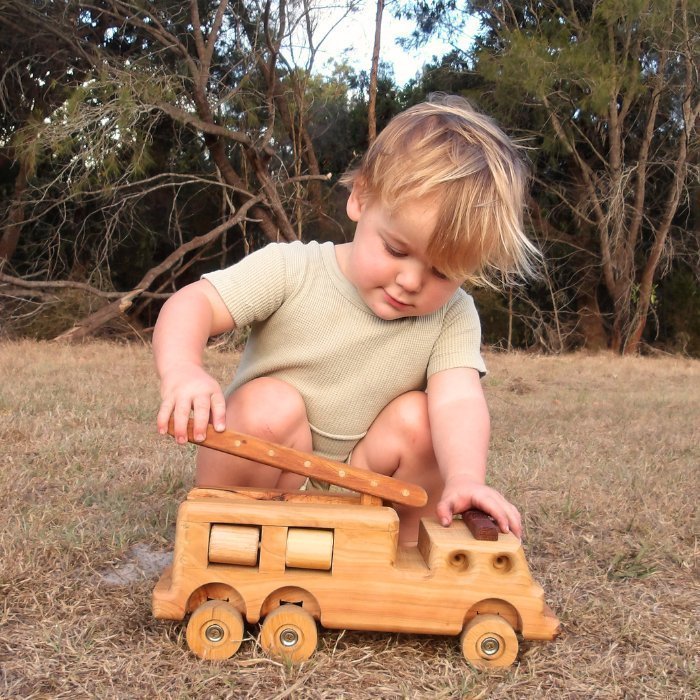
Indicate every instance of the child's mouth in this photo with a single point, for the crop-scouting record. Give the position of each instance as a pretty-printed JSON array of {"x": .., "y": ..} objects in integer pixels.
[{"x": 394, "y": 302}]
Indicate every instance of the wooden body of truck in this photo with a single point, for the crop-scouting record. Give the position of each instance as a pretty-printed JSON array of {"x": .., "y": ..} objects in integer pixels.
[{"x": 293, "y": 560}]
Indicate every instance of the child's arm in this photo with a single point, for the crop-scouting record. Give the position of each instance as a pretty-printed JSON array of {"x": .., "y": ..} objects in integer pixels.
[
  {"x": 185, "y": 323},
  {"x": 460, "y": 426}
]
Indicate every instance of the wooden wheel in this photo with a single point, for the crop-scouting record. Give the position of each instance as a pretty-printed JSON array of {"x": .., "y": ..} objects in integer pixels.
[
  {"x": 488, "y": 641},
  {"x": 289, "y": 632},
  {"x": 215, "y": 630}
]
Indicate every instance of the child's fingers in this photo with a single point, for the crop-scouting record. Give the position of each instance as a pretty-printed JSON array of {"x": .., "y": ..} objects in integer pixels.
[
  {"x": 496, "y": 506},
  {"x": 181, "y": 416},
  {"x": 200, "y": 406},
  {"x": 505, "y": 514},
  {"x": 163, "y": 418},
  {"x": 445, "y": 512},
  {"x": 218, "y": 411},
  {"x": 516, "y": 525}
]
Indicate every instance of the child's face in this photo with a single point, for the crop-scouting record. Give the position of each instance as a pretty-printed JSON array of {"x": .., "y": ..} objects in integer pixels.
[{"x": 387, "y": 263}]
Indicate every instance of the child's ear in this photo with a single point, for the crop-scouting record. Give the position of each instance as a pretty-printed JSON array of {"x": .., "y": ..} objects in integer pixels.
[{"x": 355, "y": 203}]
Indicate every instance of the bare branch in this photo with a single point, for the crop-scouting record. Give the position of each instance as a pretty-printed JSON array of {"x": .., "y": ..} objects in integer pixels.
[
  {"x": 36, "y": 285},
  {"x": 91, "y": 323}
]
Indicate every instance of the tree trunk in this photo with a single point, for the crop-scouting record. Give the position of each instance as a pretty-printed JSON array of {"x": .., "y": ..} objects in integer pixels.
[
  {"x": 279, "y": 105},
  {"x": 590, "y": 320},
  {"x": 13, "y": 227},
  {"x": 691, "y": 113},
  {"x": 372, "y": 105}
]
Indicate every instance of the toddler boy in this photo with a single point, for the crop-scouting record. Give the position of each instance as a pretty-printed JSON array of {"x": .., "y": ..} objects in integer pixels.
[{"x": 367, "y": 351}]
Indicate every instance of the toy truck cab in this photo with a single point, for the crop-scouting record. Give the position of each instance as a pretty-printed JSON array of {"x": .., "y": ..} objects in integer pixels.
[{"x": 297, "y": 559}]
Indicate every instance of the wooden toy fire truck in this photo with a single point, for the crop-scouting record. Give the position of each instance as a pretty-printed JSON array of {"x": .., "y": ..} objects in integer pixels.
[{"x": 296, "y": 559}]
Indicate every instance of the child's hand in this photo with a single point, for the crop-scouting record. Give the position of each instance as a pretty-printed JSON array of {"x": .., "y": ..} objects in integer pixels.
[
  {"x": 461, "y": 493},
  {"x": 185, "y": 388}
]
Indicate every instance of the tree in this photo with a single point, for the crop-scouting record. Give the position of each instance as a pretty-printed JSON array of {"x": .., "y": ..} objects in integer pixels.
[
  {"x": 173, "y": 98},
  {"x": 38, "y": 69},
  {"x": 605, "y": 94},
  {"x": 613, "y": 87},
  {"x": 372, "y": 103}
]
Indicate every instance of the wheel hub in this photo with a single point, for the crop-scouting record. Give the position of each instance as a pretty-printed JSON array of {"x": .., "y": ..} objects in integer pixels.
[
  {"x": 214, "y": 633},
  {"x": 490, "y": 646},
  {"x": 289, "y": 637}
]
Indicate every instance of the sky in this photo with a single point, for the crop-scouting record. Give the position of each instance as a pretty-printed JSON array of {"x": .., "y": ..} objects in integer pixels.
[{"x": 356, "y": 36}]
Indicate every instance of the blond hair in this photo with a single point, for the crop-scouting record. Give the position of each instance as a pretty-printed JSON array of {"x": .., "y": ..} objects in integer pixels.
[{"x": 445, "y": 151}]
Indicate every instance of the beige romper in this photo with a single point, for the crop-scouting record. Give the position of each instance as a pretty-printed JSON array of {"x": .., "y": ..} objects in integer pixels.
[{"x": 311, "y": 328}]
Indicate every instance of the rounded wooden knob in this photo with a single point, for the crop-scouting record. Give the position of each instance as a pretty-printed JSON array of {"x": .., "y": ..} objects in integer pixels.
[
  {"x": 309, "y": 549},
  {"x": 234, "y": 544}
]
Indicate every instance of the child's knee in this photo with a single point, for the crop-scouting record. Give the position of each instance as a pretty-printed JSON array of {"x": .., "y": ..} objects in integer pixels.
[
  {"x": 411, "y": 420},
  {"x": 267, "y": 407}
]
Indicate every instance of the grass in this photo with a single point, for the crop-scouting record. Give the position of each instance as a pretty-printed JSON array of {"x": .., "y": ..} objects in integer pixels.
[{"x": 601, "y": 454}]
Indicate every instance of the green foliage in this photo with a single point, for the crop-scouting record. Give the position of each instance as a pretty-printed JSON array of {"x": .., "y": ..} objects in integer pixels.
[
  {"x": 26, "y": 145},
  {"x": 560, "y": 59}
]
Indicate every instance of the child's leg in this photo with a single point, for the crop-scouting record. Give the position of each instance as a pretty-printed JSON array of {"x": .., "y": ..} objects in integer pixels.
[
  {"x": 399, "y": 443},
  {"x": 266, "y": 408}
]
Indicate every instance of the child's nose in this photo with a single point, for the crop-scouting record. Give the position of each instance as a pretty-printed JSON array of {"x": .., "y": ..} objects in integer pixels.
[{"x": 410, "y": 278}]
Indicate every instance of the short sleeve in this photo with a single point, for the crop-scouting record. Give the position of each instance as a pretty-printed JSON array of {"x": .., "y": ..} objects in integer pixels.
[
  {"x": 254, "y": 288},
  {"x": 459, "y": 342}
]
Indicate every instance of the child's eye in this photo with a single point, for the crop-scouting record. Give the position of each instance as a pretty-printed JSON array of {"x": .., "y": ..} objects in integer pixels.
[
  {"x": 438, "y": 274},
  {"x": 392, "y": 251}
]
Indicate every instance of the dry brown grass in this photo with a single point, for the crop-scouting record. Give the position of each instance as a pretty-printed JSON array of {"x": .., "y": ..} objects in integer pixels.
[{"x": 600, "y": 453}]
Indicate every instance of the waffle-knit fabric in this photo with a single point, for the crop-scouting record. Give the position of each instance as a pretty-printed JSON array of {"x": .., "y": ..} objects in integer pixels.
[{"x": 311, "y": 328}]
